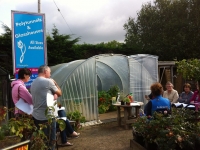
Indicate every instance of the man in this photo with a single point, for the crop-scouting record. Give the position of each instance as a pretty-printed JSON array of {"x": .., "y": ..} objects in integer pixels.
[{"x": 39, "y": 89}]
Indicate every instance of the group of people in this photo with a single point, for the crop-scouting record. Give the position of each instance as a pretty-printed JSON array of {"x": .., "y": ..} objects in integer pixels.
[
  {"x": 160, "y": 99},
  {"x": 42, "y": 85}
]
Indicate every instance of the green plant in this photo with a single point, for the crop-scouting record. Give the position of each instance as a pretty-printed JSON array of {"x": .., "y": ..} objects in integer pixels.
[
  {"x": 25, "y": 128},
  {"x": 104, "y": 101},
  {"x": 113, "y": 91},
  {"x": 103, "y": 109},
  {"x": 180, "y": 129},
  {"x": 3, "y": 112},
  {"x": 112, "y": 108},
  {"x": 190, "y": 69},
  {"x": 127, "y": 100},
  {"x": 77, "y": 116}
]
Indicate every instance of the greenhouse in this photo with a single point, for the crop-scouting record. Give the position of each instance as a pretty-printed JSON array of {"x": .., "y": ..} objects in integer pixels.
[{"x": 81, "y": 80}]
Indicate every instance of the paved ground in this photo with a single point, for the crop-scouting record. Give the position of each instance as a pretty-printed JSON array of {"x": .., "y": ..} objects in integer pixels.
[{"x": 105, "y": 136}]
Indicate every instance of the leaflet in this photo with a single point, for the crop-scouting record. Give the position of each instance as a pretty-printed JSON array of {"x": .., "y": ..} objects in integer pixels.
[{"x": 23, "y": 106}]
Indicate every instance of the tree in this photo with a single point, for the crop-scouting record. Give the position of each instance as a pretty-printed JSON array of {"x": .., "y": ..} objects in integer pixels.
[
  {"x": 59, "y": 48},
  {"x": 6, "y": 49},
  {"x": 168, "y": 28},
  {"x": 190, "y": 69}
]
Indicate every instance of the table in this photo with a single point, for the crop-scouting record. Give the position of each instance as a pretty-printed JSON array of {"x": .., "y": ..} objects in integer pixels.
[{"x": 128, "y": 119}]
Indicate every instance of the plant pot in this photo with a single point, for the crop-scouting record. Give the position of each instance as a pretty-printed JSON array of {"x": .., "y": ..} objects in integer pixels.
[
  {"x": 122, "y": 103},
  {"x": 151, "y": 146},
  {"x": 128, "y": 103},
  {"x": 138, "y": 138}
]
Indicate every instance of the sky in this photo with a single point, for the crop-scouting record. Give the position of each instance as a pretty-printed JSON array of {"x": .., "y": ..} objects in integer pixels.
[{"x": 94, "y": 21}]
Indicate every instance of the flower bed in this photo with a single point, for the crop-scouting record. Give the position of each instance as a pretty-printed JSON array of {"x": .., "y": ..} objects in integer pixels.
[{"x": 181, "y": 130}]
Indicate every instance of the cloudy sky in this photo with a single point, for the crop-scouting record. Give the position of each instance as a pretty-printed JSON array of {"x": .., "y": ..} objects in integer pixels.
[{"x": 94, "y": 21}]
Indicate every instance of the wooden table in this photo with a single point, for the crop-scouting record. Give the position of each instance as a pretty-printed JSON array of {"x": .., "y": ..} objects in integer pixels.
[{"x": 128, "y": 119}]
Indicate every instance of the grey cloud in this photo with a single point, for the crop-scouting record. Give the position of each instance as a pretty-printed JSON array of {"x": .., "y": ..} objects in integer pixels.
[{"x": 102, "y": 24}]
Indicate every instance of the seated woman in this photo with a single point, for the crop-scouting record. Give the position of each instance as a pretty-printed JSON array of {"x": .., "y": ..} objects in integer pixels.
[
  {"x": 170, "y": 93},
  {"x": 68, "y": 129},
  {"x": 186, "y": 95},
  {"x": 158, "y": 101},
  {"x": 196, "y": 98}
]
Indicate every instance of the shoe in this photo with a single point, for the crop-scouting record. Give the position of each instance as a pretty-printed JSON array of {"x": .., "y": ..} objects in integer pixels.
[
  {"x": 75, "y": 134},
  {"x": 67, "y": 144}
]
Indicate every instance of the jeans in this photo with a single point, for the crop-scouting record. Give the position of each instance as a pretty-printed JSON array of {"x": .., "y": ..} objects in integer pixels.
[
  {"x": 50, "y": 132},
  {"x": 66, "y": 132}
]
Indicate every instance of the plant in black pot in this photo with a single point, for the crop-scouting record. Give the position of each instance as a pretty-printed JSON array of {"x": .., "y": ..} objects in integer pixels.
[
  {"x": 123, "y": 98},
  {"x": 127, "y": 101}
]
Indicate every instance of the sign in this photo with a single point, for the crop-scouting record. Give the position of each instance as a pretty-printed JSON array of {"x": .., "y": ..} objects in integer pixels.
[
  {"x": 28, "y": 40},
  {"x": 25, "y": 147},
  {"x": 19, "y": 146}
]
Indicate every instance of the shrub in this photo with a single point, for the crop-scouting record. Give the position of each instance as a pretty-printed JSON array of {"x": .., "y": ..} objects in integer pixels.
[{"x": 181, "y": 129}]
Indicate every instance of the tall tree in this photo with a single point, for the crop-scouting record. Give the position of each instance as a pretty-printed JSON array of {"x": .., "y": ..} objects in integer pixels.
[
  {"x": 168, "y": 28},
  {"x": 59, "y": 48},
  {"x": 6, "y": 49}
]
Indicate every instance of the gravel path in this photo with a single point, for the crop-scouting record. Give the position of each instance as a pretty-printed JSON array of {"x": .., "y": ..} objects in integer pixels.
[{"x": 106, "y": 136}]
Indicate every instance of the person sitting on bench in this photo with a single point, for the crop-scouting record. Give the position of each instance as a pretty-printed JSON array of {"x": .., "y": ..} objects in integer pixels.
[
  {"x": 186, "y": 95},
  {"x": 68, "y": 131}
]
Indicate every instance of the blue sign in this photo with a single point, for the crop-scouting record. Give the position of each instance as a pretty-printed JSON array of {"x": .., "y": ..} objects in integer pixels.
[{"x": 29, "y": 42}]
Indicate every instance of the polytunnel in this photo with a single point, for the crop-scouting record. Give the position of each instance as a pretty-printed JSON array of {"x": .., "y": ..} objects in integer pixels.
[{"x": 81, "y": 80}]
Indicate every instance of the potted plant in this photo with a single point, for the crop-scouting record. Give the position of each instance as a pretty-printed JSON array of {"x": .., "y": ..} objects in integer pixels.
[
  {"x": 23, "y": 129},
  {"x": 127, "y": 101},
  {"x": 6, "y": 138},
  {"x": 122, "y": 98},
  {"x": 78, "y": 117}
]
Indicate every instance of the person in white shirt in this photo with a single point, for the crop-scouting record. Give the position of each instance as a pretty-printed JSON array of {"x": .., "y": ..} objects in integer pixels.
[{"x": 170, "y": 93}]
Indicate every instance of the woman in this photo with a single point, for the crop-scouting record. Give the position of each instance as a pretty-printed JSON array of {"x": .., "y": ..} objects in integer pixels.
[
  {"x": 158, "y": 101},
  {"x": 68, "y": 131},
  {"x": 170, "y": 93},
  {"x": 186, "y": 95},
  {"x": 196, "y": 98},
  {"x": 19, "y": 89}
]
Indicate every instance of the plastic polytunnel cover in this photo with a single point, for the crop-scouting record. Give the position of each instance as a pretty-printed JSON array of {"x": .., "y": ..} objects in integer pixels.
[{"x": 81, "y": 80}]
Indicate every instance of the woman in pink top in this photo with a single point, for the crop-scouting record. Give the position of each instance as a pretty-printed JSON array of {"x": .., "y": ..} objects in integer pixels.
[
  {"x": 196, "y": 98},
  {"x": 19, "y": 89}
]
